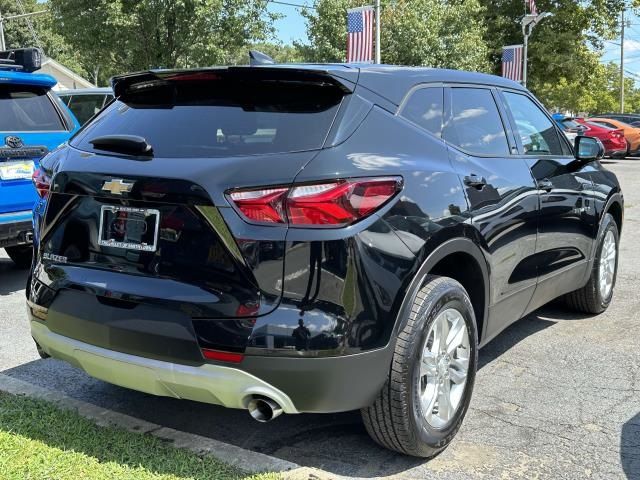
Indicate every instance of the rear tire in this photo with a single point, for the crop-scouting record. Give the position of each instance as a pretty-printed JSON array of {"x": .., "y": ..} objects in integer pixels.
[
  {"x": 411, "y": 414},
  {"x": 21, "y": 255},
  {"x": 595, "y": 297}
]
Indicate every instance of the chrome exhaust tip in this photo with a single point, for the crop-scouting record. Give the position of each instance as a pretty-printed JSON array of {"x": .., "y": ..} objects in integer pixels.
[{"x": 264, "y": 409}]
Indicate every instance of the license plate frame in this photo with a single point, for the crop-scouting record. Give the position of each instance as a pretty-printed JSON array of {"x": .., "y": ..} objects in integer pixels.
[
  {"x": 126, "y": 230},
  {"x": 12, "y": 170}
]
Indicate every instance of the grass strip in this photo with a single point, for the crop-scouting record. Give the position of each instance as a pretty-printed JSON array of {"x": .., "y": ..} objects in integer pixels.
[{"x": 41, "y": 441}]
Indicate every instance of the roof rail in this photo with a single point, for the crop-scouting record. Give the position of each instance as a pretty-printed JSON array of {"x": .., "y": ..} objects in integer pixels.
[{"x": 23, "y": 59}]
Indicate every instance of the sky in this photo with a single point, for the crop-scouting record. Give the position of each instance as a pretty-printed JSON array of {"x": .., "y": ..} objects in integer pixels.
[
  {"x": 631, "y": 47},
  {"x": 291, "y": 27}
]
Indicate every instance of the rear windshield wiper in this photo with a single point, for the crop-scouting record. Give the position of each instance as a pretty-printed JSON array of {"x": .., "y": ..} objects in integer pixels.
[{"x": 127, "y": 144}]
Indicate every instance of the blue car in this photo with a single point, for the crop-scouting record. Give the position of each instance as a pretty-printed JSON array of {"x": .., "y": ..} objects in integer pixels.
[{"x": 33, "y": 121}]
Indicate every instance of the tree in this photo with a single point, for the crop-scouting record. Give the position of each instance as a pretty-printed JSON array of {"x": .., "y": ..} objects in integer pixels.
[
  {"x": 564, "y": 50},
  {"x": 280, "y": 52},
  {"x": 437, "y": 33},
  {"x": 38, "y": 31},
  {"x": 117, "y": 36}
]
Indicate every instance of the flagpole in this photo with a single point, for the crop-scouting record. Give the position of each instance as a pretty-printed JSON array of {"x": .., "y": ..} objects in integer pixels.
[{"x": 378, "y": 53}]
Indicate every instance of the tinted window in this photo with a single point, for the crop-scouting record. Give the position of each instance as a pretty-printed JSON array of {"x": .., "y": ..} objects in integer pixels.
[
  {"x": 86, "y": 106},
  {"x": 27, "y": 109},
  {"x": 571, "y": 124},
  {"x": 537, "y": 132},
  {"x": 424, "y": 108},
  {"x": 219, "y": 118},
  {"x": 475, "y": 123}
]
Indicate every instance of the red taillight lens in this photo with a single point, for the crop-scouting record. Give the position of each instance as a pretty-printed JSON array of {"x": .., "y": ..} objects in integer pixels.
[
  {"x": 42, "y": 182},
  {"x": 339, "y": 203},
  {"x": 220, "y": 356},
  {"x": 262, "y": 206},
  {"x": 336, "y": 204}
]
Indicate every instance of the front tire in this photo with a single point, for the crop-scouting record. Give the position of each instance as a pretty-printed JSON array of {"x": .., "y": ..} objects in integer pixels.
[
  {"x": 21, "y": 255},
  {"x": 595, "y": 297},
  {"x": 421, "y": 406}
]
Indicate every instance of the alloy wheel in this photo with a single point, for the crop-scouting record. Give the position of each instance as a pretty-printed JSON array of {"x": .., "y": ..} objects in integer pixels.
[
  {"x": 443, "y": 368},
  {"x": 607, "y": 265}
]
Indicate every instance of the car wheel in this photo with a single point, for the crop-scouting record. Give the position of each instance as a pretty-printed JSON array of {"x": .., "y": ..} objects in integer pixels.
[
  {"x": 596, "y": 295},
  {"x": 426, "y": 396},
  {"x": 21, "y": 255}
]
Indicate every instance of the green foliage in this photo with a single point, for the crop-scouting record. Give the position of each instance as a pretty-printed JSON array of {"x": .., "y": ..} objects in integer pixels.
[
  {"x": 280, "y": 52},
  {"x": 564, "y": 51},
  {"x": 436, "y": 33},
  {"x": 117, "y": 36},
  {"x": 18, "y": 34}
]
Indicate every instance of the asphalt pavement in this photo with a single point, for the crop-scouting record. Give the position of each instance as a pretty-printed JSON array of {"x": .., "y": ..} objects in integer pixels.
[{"x": 557, "y": 394}]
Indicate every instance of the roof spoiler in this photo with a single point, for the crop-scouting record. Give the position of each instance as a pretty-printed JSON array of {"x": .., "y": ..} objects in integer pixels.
[
  {"x": 125, "y": 84},
  {"x": 22, "y": 59}
]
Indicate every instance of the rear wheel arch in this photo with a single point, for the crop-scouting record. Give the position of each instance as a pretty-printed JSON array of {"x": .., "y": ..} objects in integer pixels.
[{"x": 462, "y": 260}]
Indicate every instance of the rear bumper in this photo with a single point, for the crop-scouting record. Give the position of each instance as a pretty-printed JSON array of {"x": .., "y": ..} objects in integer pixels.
[
  {"x": 15, "y": 229},
  {"x": 314, "y": 385},
  {"x": 216, "y": 384}
]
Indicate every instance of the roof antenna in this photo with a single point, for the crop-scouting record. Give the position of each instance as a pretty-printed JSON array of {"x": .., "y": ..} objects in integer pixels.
[{"x": 259, "y": 58}]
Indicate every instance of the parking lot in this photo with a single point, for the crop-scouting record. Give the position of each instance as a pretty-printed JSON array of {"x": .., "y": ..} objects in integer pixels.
[{"x": 557, "y": 394}]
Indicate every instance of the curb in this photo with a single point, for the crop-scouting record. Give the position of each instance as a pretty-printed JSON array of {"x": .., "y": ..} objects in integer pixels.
[{"x": 251, "y": 462}]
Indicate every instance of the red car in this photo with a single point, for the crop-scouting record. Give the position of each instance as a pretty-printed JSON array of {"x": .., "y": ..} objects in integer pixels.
[{"x": 613, "y": 140}]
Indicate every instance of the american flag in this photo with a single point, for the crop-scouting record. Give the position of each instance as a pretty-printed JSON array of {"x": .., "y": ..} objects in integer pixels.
[
  {"x": 360, "y": 34},
  {"x": 532, "y": 6},
  {"x": 512, "y": 62}
]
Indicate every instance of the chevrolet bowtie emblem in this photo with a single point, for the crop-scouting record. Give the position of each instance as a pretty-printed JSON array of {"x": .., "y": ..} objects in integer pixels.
[{"x": 117, "y": 186}]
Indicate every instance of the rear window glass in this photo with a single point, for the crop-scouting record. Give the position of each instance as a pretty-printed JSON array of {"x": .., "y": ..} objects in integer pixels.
[
  {"x": 571, "y": 124},
  {"x": 27, "y": 109},
  {"x": 85, "y": 106},
  {"x": 219, "y": 118}
]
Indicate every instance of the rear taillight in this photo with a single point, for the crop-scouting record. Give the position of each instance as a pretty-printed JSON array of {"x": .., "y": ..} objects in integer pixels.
[
  {"x": 42, "y": 182},
  {"x": 334, "y": 204},
  {"x": 261, "y": 206},
  {"x": 619, "y": 134}
]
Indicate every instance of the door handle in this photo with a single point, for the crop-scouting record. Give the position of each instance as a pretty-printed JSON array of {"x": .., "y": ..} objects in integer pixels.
[
  {"x": 545, "y": 184},
  {"x": 475, "y": 181}
]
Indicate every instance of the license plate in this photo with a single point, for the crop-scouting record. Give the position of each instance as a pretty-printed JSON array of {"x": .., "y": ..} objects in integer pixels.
[
  {"x": 17, "y": 170},
  {"x": 129, "y": 228}
]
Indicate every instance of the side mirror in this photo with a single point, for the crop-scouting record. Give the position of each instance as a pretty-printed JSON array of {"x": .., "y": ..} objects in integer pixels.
[{"x": 588, "y": 149}]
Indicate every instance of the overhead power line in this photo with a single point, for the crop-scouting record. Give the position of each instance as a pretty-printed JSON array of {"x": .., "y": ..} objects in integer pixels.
[{"x": 296, "y": 5}]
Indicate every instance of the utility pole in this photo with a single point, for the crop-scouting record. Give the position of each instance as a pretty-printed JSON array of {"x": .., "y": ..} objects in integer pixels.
[
  {"x": 378, "y": 51},
  {"x": 3, "y": 45},
  {"x": 622, "y": 60}
]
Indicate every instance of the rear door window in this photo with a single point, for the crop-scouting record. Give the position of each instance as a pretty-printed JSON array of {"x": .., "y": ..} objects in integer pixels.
[
  {"x": 475, "y": 124},
  {"x": 27, "y": 109},
  {"x": 220, "y": 117}
]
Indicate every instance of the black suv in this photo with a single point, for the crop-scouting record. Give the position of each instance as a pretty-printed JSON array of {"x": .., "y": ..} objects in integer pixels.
[{"x": 315, "y": 238}]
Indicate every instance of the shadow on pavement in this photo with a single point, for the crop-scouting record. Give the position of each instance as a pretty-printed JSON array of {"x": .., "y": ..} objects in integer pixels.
[
  {"x": 533, "y": 323},
  {"x": 12, "y": 278},
  {"x": 630, "y": 448},
  {"x": 337, "y": 443}
]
